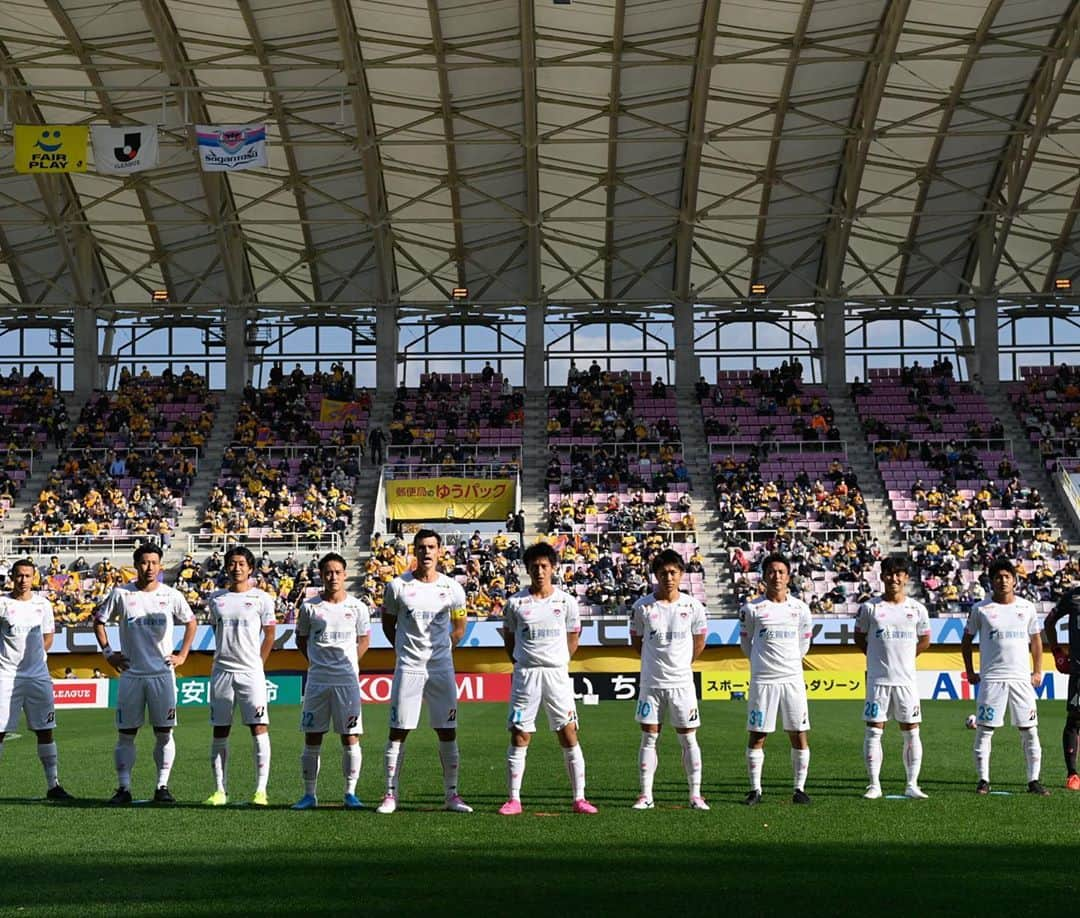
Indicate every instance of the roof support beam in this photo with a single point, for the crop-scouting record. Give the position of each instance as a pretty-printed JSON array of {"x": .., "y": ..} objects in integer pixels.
[
  {"x": 366, "y": 142},
  {"x": 447, "y": 109},
  {"x": 529, "y": 108},
  {"x": 611, "y": 175},
  {"x": 296, "y": 178},
  {"x": 695, "y": 140}
]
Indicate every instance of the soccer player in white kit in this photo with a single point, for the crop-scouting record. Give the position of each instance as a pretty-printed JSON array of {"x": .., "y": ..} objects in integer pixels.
[
  {"x": 333, "y": 631},
  {"x": 1008, "y": 628},
  {"x": 27, "y": 627},
  {"x": 541, "y": 632},
  {"x": 147, "y": 665},
  {"x": 423, "y": 617},
  {"x": 892, "y": 630},
  {"x": 244, "y": 624},
  {"x": 775, "y": 632},
  {"x": 668, "y": 630}
]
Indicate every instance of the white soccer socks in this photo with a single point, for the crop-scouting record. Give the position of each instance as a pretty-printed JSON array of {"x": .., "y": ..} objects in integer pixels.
[
  {"x": 450, "y": 758},
  {"x": 310, "y": 761},
  {"x": 351, "y": 760},
  {"x": 575, "y": 767},
  {"x": 124, "y": 759},
  {"x": 755, "y": 762},
  {"x": 872, "y": 754},
  {"x": 1029, "y": 740},
  {"x": 261, "y": 756},
  {"x": 515, "y": 770},
  {"x": 219, "y": 762},
  {"x": 800, "y": 765},
  {"x": 983, "y": 741},
  {"x": 647, "y": 759},
  {"x": 47, "y": 756},
  {"x": 912, "y": 755},
  {"x": 691, "y": 760},
  {"x": 164, "y": 755},
  {"x": 393, "y": 761}
]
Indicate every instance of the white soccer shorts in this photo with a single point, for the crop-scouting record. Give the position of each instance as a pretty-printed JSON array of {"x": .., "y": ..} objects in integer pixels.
[
  {"x": 337, "y": 703},
  {"x": 244, "y": 690},
  {"x": 897, "y": 702},
  {"x": 766, "y": 698},
  {"x": 993, "y": 697},
  {"x": 411, "y": 690},
  {"x": 137, "y": 694},
  {"x": 677, "y": 706},
  {"x": 34, "y": 696},
  {"x": 536, "y": 686}
]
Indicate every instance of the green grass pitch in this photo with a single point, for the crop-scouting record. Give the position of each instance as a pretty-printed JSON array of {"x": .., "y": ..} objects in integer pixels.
[{"x": 954, "y": 852}]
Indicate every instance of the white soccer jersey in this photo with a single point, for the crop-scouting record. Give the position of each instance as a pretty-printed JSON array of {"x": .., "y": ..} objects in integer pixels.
[
  {"x": 423, "y": 614},
  {"x": 23, "y": 625},
  {"x": 776, "y": 634},
  {"x": 667, "y": 631},
  {"x": 540, "y": 627},
  {"x": 332, "y": 629},
  {"x": 238, "y": 620},
  {"x": 892, "y": 632},
  {"x": 146, "y": 624},
  {"x": 1004, "y": 632}
]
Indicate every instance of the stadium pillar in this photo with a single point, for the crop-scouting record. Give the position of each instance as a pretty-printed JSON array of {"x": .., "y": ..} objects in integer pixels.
[
  {"x": 535, "y": 371},
  {"x": 987, "y": 360},
  {"x": 833, "y": 344},
  {"x": 87, "y": 365},
  {"x": 236, "y": 349},
  {"x": 687, "y": 364},
  {"x": 386, "y": 348}
]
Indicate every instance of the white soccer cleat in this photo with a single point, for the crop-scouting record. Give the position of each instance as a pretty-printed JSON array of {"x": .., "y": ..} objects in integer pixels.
[
  {"x": 698, "y": 803},
  {"x": 873, "y": 792},
  {"x": 914, "y": 792},
  {"x": 455, "y": 804},
  {"x": 388, "y": 805},
  {"x": 643, "y": 803}
]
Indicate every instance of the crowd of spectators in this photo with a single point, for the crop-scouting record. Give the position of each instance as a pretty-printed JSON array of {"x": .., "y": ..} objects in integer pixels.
[
  {"x": 1047, "y": 402},
  {"x": 610, "y": 407}
]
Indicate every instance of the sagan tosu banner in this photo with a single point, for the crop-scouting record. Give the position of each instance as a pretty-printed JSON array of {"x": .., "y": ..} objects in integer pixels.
[
  {"x": 450, "y": 499},
  {"x": 231, "y": 147}
]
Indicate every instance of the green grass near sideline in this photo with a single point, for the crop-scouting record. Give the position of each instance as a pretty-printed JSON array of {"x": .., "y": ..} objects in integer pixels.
[{"x": 953, "y": 853}]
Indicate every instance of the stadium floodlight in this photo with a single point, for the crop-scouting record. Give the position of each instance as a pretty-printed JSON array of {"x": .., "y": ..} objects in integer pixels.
[
  {"x": 460, "y": 293},
  {"x": 159, "y": 296},
  {"x": 1063, "y": 285},
  {"x": 758, "y": 289}
]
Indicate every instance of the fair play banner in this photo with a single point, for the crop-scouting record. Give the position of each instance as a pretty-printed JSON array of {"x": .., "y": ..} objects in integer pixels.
[
  {"x": 123, "y": 150},
  {"x": 231, "y": 147}
]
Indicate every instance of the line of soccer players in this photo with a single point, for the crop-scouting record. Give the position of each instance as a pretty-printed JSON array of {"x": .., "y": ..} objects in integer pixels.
[{"x": 424, "y": 617}]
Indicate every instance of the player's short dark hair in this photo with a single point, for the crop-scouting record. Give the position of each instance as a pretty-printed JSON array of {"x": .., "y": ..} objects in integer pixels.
[
  {"x": 667, "y": 556},
  {"x": 422, "y": 534},
  {"x": 775, "y": 558},
  {"x": 147, "y": 548},
  {"x": 24, "y": 562},
  {"x": 241, "y": 551},
  {"x": 331, "y": 556},
  {"x": 540, "y": 550},
  {"x": 1002, "y": 564},
  {"x": 895, "y": 564}
]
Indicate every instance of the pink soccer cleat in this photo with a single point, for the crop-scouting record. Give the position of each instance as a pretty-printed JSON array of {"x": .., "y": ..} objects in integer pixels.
[
  {"x": 581, "y": 805},
  {"x": 510, "y": 808}
]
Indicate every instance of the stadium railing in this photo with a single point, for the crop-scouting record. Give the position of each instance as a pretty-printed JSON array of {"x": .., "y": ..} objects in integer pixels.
[
  {"x": 719, "y": 444},
  {"x": 286, "y": 541}
]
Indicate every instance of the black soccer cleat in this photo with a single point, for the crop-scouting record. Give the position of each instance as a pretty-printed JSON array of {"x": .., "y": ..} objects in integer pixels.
[
  {"x": 982, "y": 788},
  {"x": 162, "y": 795},
  {"x": 122, "y": 797},
  {"x": 58, "y": 793},
  {"x": 800, "y": 796},
  {"x": 1034, "y": 787},
  {"x": 752, "y": 799}
]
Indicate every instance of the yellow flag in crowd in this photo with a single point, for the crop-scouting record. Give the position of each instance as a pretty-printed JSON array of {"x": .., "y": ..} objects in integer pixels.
[{"x": 50, "y": 148}]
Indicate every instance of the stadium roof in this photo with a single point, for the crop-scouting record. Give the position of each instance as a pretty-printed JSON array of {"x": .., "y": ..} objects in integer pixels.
[{"x": 593, "y": 151}]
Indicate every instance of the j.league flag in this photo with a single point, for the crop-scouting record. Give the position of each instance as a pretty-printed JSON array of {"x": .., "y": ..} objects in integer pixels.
[
  {"x": 50, "y": 148},
  {"x": 122, "y": 150}
]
